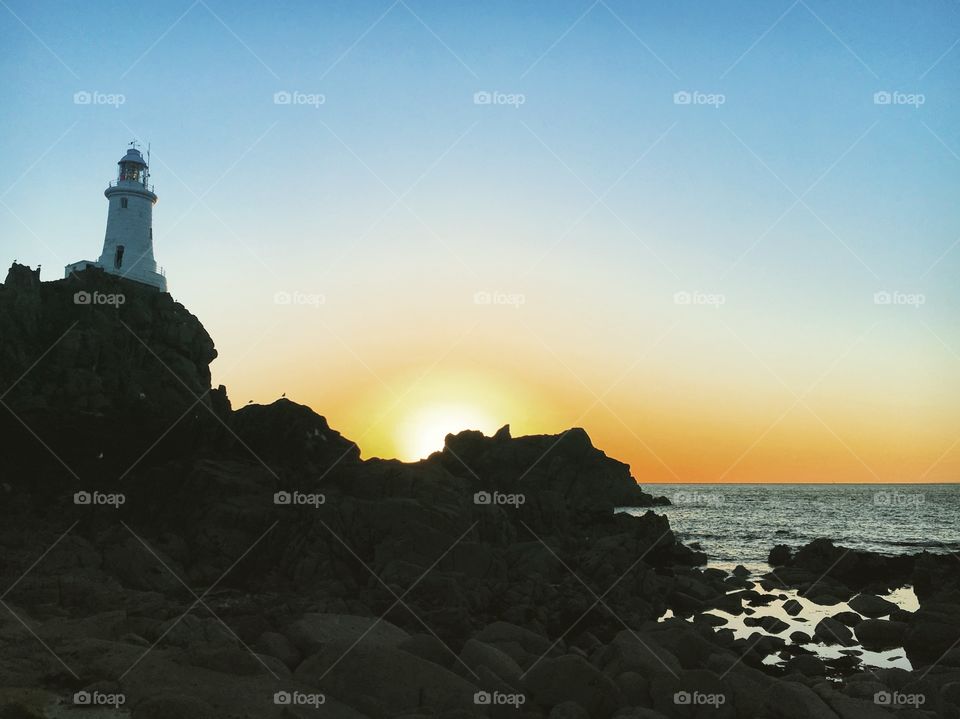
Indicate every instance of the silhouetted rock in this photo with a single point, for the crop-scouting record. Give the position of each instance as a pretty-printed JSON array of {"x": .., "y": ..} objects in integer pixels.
[
  {"x": 102, "y": 371},
  {"x": 779, "y": 555},
  {"x": 568, "y": 464},
  {"x": 288, "y": 434},
  {"x": 872, "y": 606},
  {"x": 880, "y": 633}
]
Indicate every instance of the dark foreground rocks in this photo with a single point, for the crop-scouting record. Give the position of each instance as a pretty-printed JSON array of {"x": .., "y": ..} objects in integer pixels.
[{"x": 930, "y": 636}]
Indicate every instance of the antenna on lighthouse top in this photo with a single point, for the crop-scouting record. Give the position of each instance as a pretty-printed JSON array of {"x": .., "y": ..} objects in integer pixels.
[
  {"x": 148, "y": 165},
  {"x": 134, "y": 144}
]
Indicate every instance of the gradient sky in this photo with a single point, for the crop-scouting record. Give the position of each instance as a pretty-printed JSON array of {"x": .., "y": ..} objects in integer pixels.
[{"x": 386, "y": 208}]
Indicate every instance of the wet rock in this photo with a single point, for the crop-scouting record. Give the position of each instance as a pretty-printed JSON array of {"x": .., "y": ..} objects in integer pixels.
[
  {"x": 792, "y": 607},
  {"x": 933, "y": 631},
  {"x": 830, "y": 631},
  {"x": 876, "y": 634},
  {"x": 851, "y": 619},
  {"x": 872, "y": 606},
  {"x": 780, "y": 555},
  {"x": 773, "y": 625},
  {"x": 806, "y": 664}
]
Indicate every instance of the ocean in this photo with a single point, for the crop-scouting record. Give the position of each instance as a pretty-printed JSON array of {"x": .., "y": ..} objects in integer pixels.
[{"x": 740, "y": 523}]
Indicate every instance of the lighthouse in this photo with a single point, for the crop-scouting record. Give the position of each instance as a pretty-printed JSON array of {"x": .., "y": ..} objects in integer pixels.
[{"x": 128, "y": 241}]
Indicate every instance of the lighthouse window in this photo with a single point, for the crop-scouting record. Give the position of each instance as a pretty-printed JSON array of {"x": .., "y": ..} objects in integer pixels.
[
  {"x": 118, "y": 257},
  {"x": 123, "y": 202}
]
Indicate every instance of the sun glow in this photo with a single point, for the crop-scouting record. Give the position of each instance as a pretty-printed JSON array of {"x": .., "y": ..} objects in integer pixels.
[{"x": 423, "y": 431}]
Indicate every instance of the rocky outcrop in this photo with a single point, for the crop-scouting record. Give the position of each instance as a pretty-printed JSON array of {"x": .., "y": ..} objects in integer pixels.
[
  {"x": 96, "y": 369},
  {"x": 290, "y": 435},
  {"x": 558, "y": 463}
]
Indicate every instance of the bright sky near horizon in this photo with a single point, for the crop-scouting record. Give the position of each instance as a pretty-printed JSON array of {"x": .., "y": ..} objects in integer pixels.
[{"x": 722, "y": 237}]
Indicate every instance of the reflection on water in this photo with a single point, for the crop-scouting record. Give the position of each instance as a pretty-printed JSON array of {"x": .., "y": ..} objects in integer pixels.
[{"x": 807, "y": 620}]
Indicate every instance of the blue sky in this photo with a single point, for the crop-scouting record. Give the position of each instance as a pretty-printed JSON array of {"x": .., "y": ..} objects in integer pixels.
[{"x": 598, "y": 197}]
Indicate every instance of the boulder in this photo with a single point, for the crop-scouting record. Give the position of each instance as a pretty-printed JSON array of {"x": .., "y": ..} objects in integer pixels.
[
  {"x": 313, "y": 632},
  {"x": 780, "y": 555},
  {"x": 792, "y": 607},
  {"x": 806, "y": 664},
  {"x": 877, "y": 634},
  {"x": 851, "y": 619},
  {"x": 476, "y": 654},
  {"x": 381, "y": 680},
  {"x": 570, "y": 678},
  {"x": 569, "y": 710},
  {"x": 830, "y": 631},
  {"x": 790, "y": 700},
  {"x": 277, "y": 645},
  {"x": 427, "y": 646},
  {"x": 636, "y": 652},
  {"x": 872, "y": 606},
  {"x": 521, "y": 644},
  {"x": 165, "y": 706},
  {"x": 933, "y": 631}
]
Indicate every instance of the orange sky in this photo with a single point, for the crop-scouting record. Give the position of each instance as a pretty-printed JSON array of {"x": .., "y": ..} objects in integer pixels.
[{"x": 687, "y": 401}]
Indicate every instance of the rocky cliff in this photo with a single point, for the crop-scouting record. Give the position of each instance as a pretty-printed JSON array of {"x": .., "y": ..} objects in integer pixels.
[{"x": 97, "y": 372}]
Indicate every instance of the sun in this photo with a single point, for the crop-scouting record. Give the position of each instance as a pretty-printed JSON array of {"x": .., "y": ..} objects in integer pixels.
[{"x": 422, "y": 432}]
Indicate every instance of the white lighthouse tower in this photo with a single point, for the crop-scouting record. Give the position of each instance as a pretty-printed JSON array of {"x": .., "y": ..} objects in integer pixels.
[{"x": 128, "y": 242}]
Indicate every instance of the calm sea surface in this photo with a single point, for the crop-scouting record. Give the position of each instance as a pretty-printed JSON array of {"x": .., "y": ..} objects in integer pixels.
[{"x": 740, "y": 523}]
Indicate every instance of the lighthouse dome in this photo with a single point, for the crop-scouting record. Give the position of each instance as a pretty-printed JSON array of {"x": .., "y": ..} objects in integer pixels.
[{"x": 133, "y": 155}]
